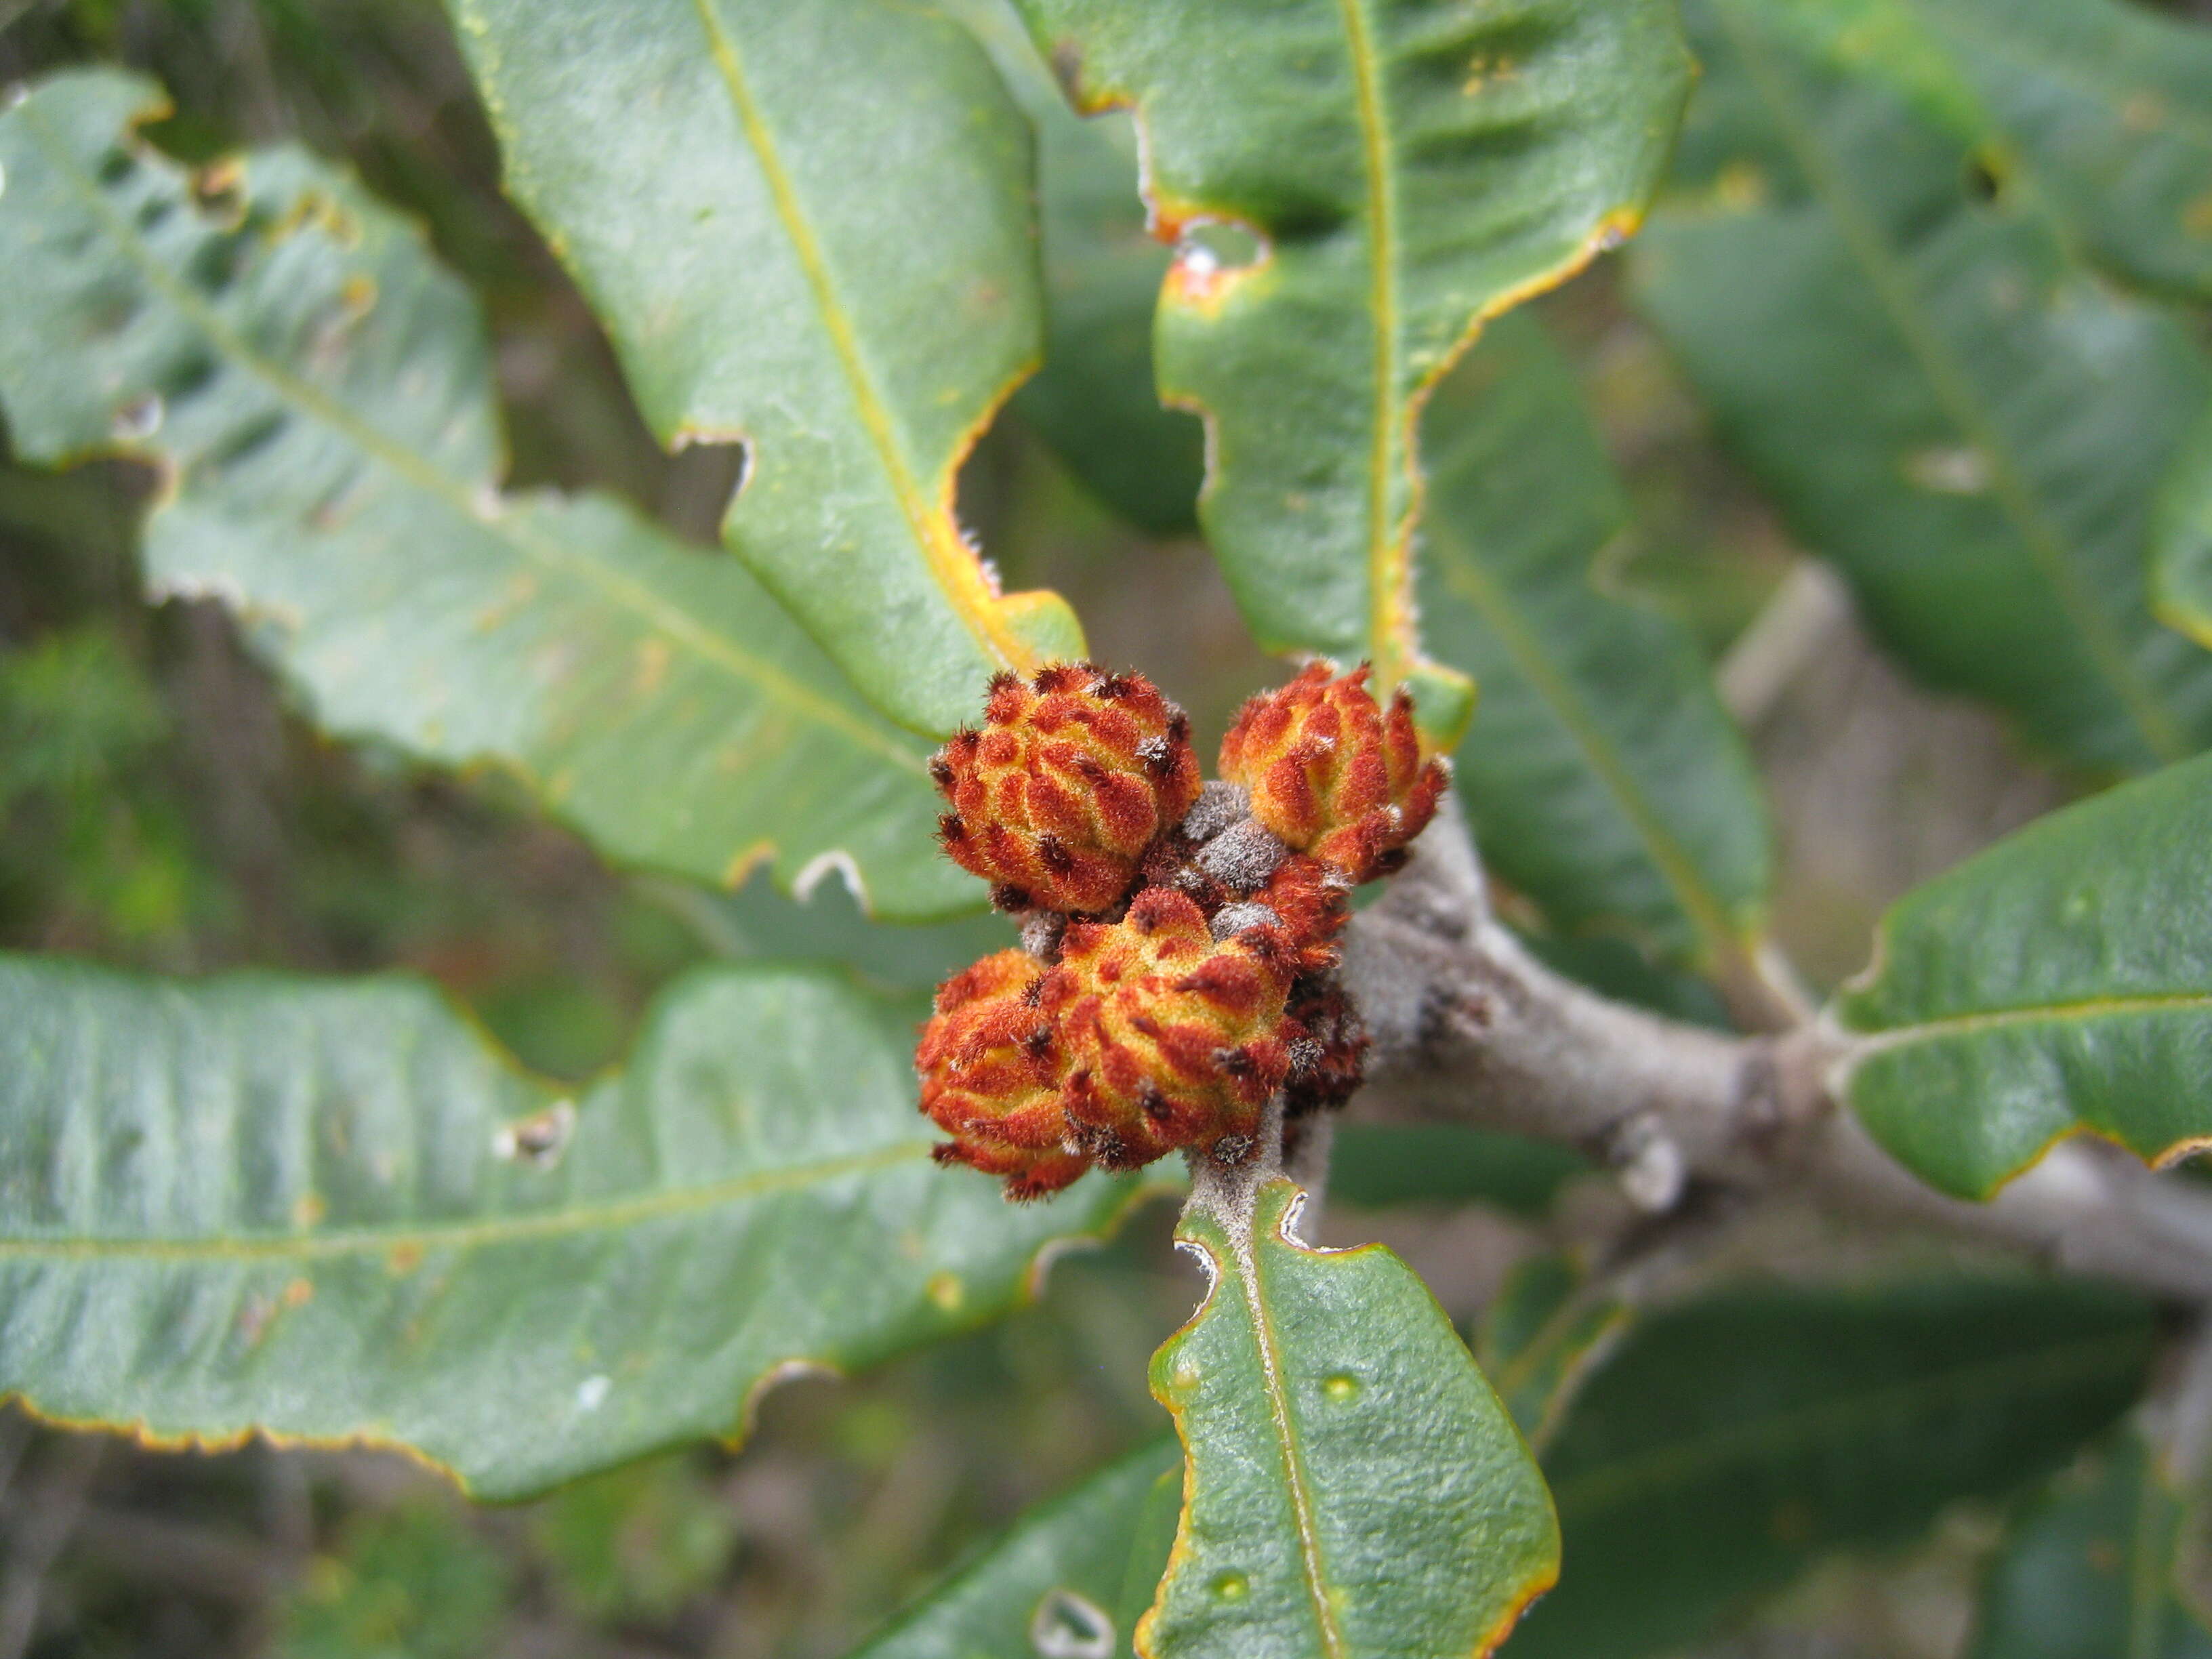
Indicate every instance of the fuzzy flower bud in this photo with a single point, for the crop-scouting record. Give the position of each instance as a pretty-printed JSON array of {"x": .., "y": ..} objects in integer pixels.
[
  {"x": 1173, "y": 1038},
  {"x": 1331, "y": 773},
  {"x": 1309, "y": 901},
  {"x": 989, "y": 1067},
  {"x": 1330, "y": 1059},
  {"x": 1073, "y": 774}
]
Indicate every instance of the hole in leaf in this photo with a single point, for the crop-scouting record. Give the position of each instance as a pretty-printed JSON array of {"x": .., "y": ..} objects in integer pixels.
[
  {"x": 1208, "y": 245},
  {"x": 1983, "y": 178},
  {"x": 1067, "y": 1626},
  {"x": 137, "y": 420},
  {"x": 218, "y": 187}
]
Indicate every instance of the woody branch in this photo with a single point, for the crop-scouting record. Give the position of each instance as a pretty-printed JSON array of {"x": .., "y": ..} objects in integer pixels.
[{"x": 1467, "y": 1025}]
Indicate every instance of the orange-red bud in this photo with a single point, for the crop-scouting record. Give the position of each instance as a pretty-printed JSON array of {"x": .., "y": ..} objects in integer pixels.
[
  {"x": 1073, "y": 774},
  {"x": 1114, "y": 1042},
  {"x": 1331, "y": 773},
  {"x": 1311, "y": 900},
  {"x": 987, "y": 1058},
  {"x": 1327, "y": 1065},
  {"x": 1172, "y": 1039}
]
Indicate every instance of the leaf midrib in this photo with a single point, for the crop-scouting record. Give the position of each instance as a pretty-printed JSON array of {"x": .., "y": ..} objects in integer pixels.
[
  {"x": 1991, "y": 1019},
  {"x": 1383, "y": 572},
  {"x": 1706, "y": 910},
  {"x": 622, "y": 590},
  {"x": 1954, "y": 393},
  {"x": 1622, "y": 1481},
  {"x": 479, "y": 1233},
  {"x": 1246, "y": 1248},
  {"x": 958, "y": 573}
]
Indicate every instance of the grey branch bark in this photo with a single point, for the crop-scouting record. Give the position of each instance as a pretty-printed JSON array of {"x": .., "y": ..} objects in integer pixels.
[{"x": 1467, "y": 1024}]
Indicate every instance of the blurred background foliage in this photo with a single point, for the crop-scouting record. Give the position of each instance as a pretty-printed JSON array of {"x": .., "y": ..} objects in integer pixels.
[{"x": 161, "y": 806}]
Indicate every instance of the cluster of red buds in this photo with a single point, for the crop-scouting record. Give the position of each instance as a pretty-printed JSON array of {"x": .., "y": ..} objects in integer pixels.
[{"x": 1179, "y": 968}]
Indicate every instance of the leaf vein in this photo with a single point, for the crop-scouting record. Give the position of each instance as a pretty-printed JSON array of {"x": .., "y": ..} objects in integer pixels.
[
  {"x": 467, "y": 1235},
  {"x": 1955, "y": 393},
  {"x": 304, "y": 396}
]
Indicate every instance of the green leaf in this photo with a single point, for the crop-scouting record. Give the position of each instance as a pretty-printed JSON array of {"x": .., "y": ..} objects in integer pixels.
[
  {"x": 808, "y": 228},
  {"x": 1354, "y": 1486},
  {"x": 756, "y": 923},
  {"x": 2058, "y": 982},
  {"x": 1730, "y": 1442},
  {"x": 1602, "y": 777},
  {"x": 2103, "y": 109},
  {"x": 2089, "y": 1572},
  {"x": 1969, "y": 424},
  {"x": 1374, "y": 1165},
  {"x": 1061, "y": 1572},
  {"x": 1544, "y": 1330},
  {"x": 2184, "y": 575},
  {"x": 2108, "y": 106},
  {"x": 318, "y": 394},
  {"x": 1370, "y": 180},
  {"x": 332, "y": 1212},
  {"x": 1094, "y": 401}
]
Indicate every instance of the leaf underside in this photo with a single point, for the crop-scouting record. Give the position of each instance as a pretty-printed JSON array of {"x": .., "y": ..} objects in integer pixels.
[
  {"x": 1353, "y": 1486},
  {"x": 2058, "y": 982},
  {"x": 1969, "y": 424},
  {"x": 318, "y": 396},
  {"x": 1405, "y": 174},
  {"x": 332, "y": 1212},
  {"x": 1603, "y": 779},
  {"x": 2090, "y": 1571},
  {"x": 1730, "y": 1443},
  {"x": 808, "y": 228}
]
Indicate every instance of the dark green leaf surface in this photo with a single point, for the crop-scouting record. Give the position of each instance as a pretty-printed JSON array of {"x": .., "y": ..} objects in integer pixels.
[
  {"x": 2102, "y": 109},
  {"x": 2088, "y": 1573},
  {"x": 1094, "y": 400},
  {"x": 331, "y": 1211},
  {"x": 2185, "y": 538},
  {"x": 1353, "y": 1487},
  {"x": 810, "y": 228},
  {"x": 1969, "y": 424},
  {"x": 1602, "y": 777},
  {"x": 1053, "y": 1583},
  {"x": 2060, "y": 981},
  {"x": 318, "y": 393},
  {"x": 1730, "y": 1443},
  {"x": 1405, "y": 174},
  {"x": 1539, "y": 1335},
  {"x": 1378, "y": 1165},
  {"x": 2108, "y": 107}
]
